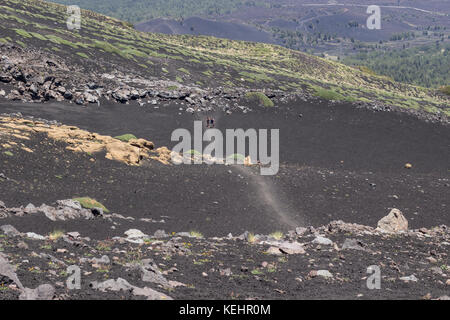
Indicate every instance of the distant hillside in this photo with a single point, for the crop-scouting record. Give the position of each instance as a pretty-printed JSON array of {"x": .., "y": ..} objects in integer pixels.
[
  {"x": 201, "y": 26},
  {"x": 336, "y": 29},
  {"x": 136, "y": 11},
  {"x": 105, "y": 45}
]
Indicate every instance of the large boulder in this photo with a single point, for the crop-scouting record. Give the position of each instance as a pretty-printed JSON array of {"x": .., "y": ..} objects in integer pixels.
[
  {"x": 9, "y": 230},
  {"x": 121, "y": 95},
  {"x": 123, "y": 285},
  {"x": 393, "y": 222},
  {"x": 291, "y": 248}
]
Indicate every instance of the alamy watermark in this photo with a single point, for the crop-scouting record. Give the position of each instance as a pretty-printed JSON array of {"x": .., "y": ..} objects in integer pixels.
[
  {"x": 73, "y": 282},
  {"x": 374, "y": 280},
  {"x": 213, "y": 153},
  {"x": 374, "y": 20}
]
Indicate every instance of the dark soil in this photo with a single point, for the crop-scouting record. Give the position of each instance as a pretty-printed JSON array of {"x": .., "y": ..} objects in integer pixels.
[{"x": 338, "y": 163}]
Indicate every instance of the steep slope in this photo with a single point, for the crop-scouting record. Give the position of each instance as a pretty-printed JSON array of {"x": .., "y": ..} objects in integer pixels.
[
  {"x": 105, "y": 44},
  {"x": 141, "y": 10}
]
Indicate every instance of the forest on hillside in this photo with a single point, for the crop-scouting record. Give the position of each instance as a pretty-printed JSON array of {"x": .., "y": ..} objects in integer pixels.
[
  {"x": 135, "y": 11},
  {"x": 427, "y": 65}
]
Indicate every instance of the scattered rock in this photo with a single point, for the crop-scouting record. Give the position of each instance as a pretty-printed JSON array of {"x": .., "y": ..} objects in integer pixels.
[
  {"x": 353, "y": 244},
  {"x": 135, "y": 236},
  {"x": 74, "y": 235},
  {"x": 274, "y": 251},
  {"x": 9, "y": 230},
  {"x": 291, "y": 248},
  {"x": 22, "y": 245},
  {"x": 35, "y": 236},
  {"x": 393, "y": 222},
  {"x": 225, "y": 272},
  {"x": 301, "y": 231},
  {"x": 320, "y": 273},
  {"x": 104, "y": 260},
  {"x": 324, "y": 273},
  {"x": 123, "y": 285},
  {"x": 43, "y": 292},
  {"x": 30, "y": 209},
  {"x": 323, "y": 241},
  {"x": 411, "y": 278}
]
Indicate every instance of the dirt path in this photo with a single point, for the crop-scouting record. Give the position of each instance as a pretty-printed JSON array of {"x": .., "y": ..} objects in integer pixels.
[{"x": 362, "y": 5}]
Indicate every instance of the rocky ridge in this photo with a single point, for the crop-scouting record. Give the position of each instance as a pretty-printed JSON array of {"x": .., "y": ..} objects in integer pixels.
[{"x": 35, "y": 76}]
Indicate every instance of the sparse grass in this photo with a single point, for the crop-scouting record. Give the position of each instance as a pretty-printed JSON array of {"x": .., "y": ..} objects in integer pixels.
[
  {"x": 196, "y": 234},
  {"x": 256, "y": 77},
  {"x": 328, "y": 94},
  {"x": 261, "y": 98},
  {"x": 83, "y": 55},
  {"x": 126, "y": 137},
  {"x": 257, "y": 272},
  {"x": 445, "y": 90},
  {"x": 89, "y": 203},
  {"x": 184, "y": 70},
  {"x": 251, "y": 238},
  {"x": 277, "y": 235},
  {"x": 208, "y": 73},
  {"x": 38, "y": 36},
  {"x": 56, "y": 234},
  {"x": 23, "y": 33}
]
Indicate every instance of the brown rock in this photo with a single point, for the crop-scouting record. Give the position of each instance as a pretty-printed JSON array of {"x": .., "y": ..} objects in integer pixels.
[
  {"x": 393, "y": 222},
  {"x": 142, "y": 143}
]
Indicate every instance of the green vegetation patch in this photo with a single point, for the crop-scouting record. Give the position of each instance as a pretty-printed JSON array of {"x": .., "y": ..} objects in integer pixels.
[
  {"x": 23, "y": 33},
  {"x": 126, "y": 137},
  {"x": 184, "y": 70},
  {"x": 261, "y": 98},
  {"x": 83, "y": 55},
  {"x": 89, "y": 203},
  {"x": 328, "y": 94}
]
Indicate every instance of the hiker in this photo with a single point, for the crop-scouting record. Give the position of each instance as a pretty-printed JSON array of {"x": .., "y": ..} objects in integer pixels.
[
  {"x": 207, "y": 122},
  {"x": 211, "y": 121}
]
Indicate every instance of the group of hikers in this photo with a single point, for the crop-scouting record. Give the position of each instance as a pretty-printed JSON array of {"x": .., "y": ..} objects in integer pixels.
[{"x": 210, "y": 122}]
